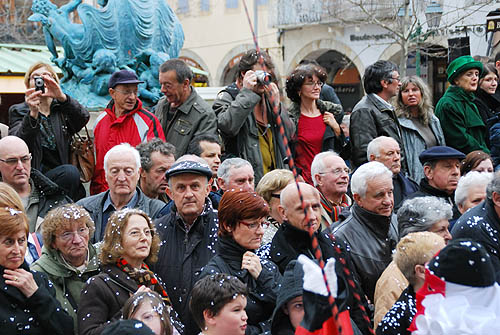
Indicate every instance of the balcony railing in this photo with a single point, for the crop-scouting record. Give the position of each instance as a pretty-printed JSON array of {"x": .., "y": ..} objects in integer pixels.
[{"x": 293, "y": 13}]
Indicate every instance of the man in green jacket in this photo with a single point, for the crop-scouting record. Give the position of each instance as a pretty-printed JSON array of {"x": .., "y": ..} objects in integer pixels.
[{"x": 183, "y": 114}]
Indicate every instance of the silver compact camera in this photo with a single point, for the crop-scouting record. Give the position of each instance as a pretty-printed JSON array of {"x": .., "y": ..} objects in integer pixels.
[
  {"x": 39, "y": 84},
  {"x": 263, "y": 77}
]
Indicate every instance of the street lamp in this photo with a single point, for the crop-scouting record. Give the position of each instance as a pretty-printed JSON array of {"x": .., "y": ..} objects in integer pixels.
[{"x": 433, "y": 14}]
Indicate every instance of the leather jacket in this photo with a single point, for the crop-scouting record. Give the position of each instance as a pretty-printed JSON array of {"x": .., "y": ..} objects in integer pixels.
[{"x": 371, "y": 239}]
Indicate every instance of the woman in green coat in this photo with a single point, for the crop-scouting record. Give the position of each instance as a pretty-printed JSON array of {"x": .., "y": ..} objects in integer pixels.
[
  {"x": 461, "y": 122},
  {"x": 68, "y": 258}
]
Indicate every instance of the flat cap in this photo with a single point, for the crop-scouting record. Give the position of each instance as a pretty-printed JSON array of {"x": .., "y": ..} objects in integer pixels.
[
  {"x": 189, "y": 167},
  {"x": 123, "y": 77},
  {"x": 440, "y": 152}
]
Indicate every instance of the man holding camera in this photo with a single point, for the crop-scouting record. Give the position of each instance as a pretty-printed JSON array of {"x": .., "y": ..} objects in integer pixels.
[
  {"x": 245, "y": 115},
  {"x": 183, "y": 114}
]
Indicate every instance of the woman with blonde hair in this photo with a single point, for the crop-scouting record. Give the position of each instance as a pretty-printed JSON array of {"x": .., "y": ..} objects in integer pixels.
[
  {"x": 46, "y": 121},
  {"x": 420, "y": 127},
  {"x": 130, "y": 241},
  {"x": 269, "y": 188}
]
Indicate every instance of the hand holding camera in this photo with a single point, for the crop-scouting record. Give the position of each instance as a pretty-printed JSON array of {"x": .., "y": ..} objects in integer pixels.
[{"x": 44, "y": 87}]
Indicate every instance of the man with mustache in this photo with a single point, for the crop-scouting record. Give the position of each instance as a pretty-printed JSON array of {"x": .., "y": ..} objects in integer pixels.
[
  {"x": 386, "y": 150},
  {"x": 442, "y": 172},
  {"x": 371, "y": 231},
  {"x": 157, "y": 156},
  {"x": 37, "y": 192}
]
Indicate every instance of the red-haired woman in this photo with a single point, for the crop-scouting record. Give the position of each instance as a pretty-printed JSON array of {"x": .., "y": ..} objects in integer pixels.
[
  {"x": 242, "y": 220},
  {"x": 28, "y": 302}
]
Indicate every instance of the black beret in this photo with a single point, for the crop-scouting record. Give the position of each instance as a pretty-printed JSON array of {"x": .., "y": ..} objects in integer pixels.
[
  {"x": 189, "y": 167},
  {"x": 127, "y": 327},
  {"x": 464, "y": 262},
  {"x": 440, "y": 152}
]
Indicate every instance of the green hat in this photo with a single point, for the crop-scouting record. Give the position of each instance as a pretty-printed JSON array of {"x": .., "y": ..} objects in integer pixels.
[{"x": 460, "y": 65}]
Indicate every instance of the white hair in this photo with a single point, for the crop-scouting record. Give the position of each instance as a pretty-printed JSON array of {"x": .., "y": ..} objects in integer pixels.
[
  {"x": 374, "y": 146},
  {"x": 318, "y": 166},
  {"x": 366, "y": 172},
  {"x": 121, "y": 149},
  {"x": 473, "y": 178}
]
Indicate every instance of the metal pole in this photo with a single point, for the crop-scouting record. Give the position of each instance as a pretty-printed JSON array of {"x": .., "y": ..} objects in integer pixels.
[{"x": 256, "y": 18}]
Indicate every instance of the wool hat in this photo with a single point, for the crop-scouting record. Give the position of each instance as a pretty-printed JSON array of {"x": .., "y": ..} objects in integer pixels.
[
  {"x": 123, "y": 77},
  {"x": 464, "y": 262},
  {"x": 460, "y": 65},
  {"x": 127, "y": 327},
  {"x": 189, "y": 167},
  {"x": 440, "y": 152}
]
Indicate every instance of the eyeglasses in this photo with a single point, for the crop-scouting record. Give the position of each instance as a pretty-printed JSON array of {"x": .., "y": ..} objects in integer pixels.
[
  {"x": 276, "y": 195},
  {"x": 338, "y": 171},
  {"x": 136, "y": 234},
  {"x": 13, "y": 161},
  {"x": 396, "y": 78},
  {"x": 314, "y": 83},
  {"x": 255, "y": 225},
  {"x": 127, "y": 93},
  {"x": 70, "y": 235}
]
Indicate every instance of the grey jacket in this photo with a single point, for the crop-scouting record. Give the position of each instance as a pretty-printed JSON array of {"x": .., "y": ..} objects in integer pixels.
[
  {"x": 370, "y": 118},
  {"x": 415, "y": 144},
  {"x": 239, "y": 129},
  {"x": 192, "y": 118},
  {"x": 94, "y": 205}
]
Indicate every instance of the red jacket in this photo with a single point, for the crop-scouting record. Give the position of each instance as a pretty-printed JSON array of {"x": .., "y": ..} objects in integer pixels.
[{"x": 134, "y": 127}]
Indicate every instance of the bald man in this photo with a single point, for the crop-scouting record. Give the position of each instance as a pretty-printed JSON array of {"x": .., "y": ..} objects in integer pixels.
[
  {"x": 38, "y": 193},
  {"x": 293, "y": 239}
]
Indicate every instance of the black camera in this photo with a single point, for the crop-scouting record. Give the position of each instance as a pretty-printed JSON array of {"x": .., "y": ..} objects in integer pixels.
[
  {"x": 39, "y": 84},
  {"x": 263, "y": 77}
]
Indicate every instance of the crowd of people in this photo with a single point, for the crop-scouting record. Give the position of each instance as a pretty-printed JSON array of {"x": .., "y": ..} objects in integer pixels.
[{"x": 198, "y": 221}]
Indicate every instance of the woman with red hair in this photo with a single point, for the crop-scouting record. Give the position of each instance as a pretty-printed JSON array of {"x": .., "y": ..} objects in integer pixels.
[{"x": 242, "y": 221}]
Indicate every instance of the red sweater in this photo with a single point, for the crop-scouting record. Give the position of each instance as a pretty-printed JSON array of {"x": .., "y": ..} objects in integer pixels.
[{"x": 134, "y": 127}]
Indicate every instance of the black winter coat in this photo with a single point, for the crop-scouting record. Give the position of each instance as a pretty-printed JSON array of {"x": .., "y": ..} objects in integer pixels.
[
  {"x": 427, "y": 190},
  {"x": 398, "y": 319},
  {"x": 67, "y": 119},
  {"x": 481, "y": 224},
  {"x": 39, "y": 314},
  {"x": 262, "y": 292},
  {"x": 370, "y": 119},
  {"x": 102, "y": 299},
  {"x": 289, "y": 242},
  {"x": 182, "y": 255},
  {"x": 371, "y": 238}
]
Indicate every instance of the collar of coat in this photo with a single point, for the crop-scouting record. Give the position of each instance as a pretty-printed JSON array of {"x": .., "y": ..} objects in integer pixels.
[
  {"x": 378, "y": 224},
  {"x": 51, "y": 262}
]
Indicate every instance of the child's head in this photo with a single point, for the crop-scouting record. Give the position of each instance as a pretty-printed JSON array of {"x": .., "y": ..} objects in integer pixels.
[
  {"x": 289, "y": 310},
  {"x": 218, "y": 301},
  {"x": 149, "y": 308}
]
